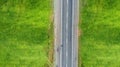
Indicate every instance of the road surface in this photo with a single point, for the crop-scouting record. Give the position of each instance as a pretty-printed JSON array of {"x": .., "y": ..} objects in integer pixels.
[{"x": 66, "y": 32}]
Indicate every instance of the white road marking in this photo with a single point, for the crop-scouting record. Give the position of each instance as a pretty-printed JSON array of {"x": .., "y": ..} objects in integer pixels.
[
  {"x": 67, "y": 34},
  {"x": 61, "y": 34},
  {"x": 72, "y": 31}
]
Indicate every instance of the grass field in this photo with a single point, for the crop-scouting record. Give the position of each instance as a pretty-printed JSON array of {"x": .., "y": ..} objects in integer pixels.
[
  {"x": 100, "y": 40},
  {"x": 24, "y": 33}
]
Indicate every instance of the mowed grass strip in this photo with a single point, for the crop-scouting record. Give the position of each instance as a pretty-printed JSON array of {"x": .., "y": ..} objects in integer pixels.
[
  {"x": 24, "y": 33},
  {"x": 100, "y": 40}
]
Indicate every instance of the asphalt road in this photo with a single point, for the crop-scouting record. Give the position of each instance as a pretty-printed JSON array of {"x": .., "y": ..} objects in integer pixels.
[{"x": 66, "y": 32}]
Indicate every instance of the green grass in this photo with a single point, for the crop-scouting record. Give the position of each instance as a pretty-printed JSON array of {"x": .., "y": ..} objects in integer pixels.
[
  {"x": 24, "y": 33},
  {"x": 100, "y": 40}
]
